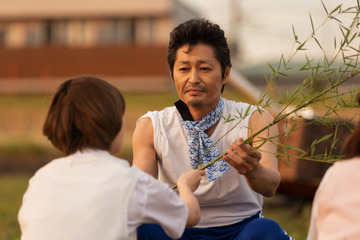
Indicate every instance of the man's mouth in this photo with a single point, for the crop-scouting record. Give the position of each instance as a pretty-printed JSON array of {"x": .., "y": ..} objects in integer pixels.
[{"x": 194, "y": 90}]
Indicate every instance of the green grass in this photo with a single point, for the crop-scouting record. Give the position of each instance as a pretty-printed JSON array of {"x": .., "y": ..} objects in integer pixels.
[
  {"x": 12, "y": 188},
  {"x": 292, "y": 214}
]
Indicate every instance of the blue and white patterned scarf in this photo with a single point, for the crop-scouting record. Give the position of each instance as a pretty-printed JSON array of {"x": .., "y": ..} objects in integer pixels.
[{"x": 199, "y": 142}]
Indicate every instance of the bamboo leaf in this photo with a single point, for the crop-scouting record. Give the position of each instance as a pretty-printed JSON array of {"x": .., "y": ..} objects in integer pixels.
[
  {"x": 312, "y": 25},
  {"x": 295, "y": 36},
  {"x": 336, "y": 9},
  {"x": 300, "y": 47},
  {"x": 324, "y": 138},
  {"x": 318, "y": 43},
  {"x": 272, "y": 69},
  {"x": 294, "y": 148},
  {"x": 327, "y": 13}
]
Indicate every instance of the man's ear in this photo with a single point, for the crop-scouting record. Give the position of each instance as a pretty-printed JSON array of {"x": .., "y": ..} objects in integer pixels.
[
  {"x": 227, "y": 74},
  {"x": 171, "y": 75}
]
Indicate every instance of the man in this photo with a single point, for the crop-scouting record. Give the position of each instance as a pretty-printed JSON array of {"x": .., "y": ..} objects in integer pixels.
[{"x": 172, "y": 141}]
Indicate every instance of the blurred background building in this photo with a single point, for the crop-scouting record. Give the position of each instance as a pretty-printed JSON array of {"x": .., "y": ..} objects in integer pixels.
[{"x": 43, "y": 42}]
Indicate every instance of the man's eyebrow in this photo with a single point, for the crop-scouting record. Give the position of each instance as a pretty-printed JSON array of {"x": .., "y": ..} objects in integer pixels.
[
  {"x": 198, "y": 61},
  {"x": 182, "y": 62}
]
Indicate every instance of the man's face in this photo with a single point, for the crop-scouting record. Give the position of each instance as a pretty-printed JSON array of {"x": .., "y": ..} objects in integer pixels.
[{"x": 197, "y": 76}]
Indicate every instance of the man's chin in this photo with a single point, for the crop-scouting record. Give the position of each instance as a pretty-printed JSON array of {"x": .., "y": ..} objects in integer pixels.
[{"x": 195, "y": 103}]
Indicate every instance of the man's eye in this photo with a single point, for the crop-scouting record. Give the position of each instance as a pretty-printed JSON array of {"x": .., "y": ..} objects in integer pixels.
[
  {"x": 205, "y": 69},
  {"x": 183, "y": 69}
]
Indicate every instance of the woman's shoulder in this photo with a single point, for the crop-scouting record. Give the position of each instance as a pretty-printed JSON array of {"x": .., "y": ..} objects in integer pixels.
[
  {"x": 344, "y": 172},
  {"x": 347, "y": 165}
]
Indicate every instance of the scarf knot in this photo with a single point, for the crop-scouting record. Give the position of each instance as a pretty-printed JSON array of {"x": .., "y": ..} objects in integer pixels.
[{"x": 201, "y": 147}]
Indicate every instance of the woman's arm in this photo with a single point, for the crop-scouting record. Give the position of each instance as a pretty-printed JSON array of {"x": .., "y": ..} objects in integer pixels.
[{"x": 187, "y": 184}]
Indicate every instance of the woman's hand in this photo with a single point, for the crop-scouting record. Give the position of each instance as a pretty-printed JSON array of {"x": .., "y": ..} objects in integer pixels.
[{"x": 191, "y": 179}]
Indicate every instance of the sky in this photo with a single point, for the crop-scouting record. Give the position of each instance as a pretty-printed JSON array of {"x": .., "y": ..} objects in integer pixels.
[{"x": 264, "y": 28}]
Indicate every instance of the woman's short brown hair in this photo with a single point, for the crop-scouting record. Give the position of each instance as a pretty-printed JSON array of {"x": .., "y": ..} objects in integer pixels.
[
  {"x": 352, "y": 144},
  {"x": 85, "y": 113}
]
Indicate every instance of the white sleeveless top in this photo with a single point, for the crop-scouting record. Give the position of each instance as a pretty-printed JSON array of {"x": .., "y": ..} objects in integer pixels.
[{"x": 225, "y": 201}]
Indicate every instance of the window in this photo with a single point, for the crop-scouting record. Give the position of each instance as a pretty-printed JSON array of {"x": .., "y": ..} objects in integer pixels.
[{"x": 115, "y": 31}]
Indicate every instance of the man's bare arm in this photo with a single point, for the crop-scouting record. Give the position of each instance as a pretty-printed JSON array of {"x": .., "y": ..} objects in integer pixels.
[
  {"x": 259, "y": 167},
  {"x": 145, "y": 158},
  {"x": 144, "y": 155}
]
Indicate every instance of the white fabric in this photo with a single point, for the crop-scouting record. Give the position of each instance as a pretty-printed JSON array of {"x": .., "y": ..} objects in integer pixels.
[
  {"x": 225, "y": 201},
  {"x": 336, "y": 207},
  {"x": 154, "y": 202},
  {"x": 87, "y": 195}
]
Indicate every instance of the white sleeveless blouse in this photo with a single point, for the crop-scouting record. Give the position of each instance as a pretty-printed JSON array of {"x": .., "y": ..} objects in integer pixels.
[{"x": 225, "y": 201}]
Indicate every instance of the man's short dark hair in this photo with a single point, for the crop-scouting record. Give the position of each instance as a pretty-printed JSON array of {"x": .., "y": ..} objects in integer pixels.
[
  {"x": 85, "y": 113},
  {"x": 197, "y": 31}
]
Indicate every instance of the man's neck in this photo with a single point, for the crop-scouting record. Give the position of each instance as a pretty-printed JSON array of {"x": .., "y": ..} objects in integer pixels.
[
  {"x": 211, "y": 129},
  {"x": 192, "y": 113},
  {"x": 198, "y": 112},
  {"x": 195, "y": 114}
]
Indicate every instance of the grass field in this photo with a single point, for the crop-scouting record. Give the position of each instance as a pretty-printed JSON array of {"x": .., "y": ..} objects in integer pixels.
[
  {"x": 12, "y": 187},
  {"x": 22, "y": 145}
]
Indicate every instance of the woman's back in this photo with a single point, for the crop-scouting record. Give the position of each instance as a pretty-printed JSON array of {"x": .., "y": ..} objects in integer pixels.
[
  {"x": 79, "y": 197},
  {"x": 336, "y": 208}
]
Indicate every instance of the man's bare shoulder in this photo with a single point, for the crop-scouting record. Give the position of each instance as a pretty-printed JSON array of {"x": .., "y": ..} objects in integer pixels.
[
  {"x": 261, "y": 117},
  {"x": 144, "y": 128}
]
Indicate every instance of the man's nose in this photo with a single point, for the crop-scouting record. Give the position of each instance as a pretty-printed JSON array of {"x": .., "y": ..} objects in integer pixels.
[{"x": 194, "y": 76}]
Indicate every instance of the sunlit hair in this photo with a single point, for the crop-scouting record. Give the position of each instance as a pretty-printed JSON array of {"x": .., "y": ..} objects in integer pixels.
[
  {"x": 85, "y": 113},
  {"x": 352, "y": 144},
  {"x": 197, "y": 31}
]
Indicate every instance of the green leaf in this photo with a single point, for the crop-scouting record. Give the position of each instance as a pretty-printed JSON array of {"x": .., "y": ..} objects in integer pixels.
[
  {"x": 318, "y": 43},
  {"x": 300, "y": 47},
  {"x": 327, "y": 13},
  {"x": 312, "y": 25},
  {"x": 294, "y": 148},
  {"x": 295, "y": 36},
  {"x": 272, "y": 69},
  {"x": 336, "y": 9}
]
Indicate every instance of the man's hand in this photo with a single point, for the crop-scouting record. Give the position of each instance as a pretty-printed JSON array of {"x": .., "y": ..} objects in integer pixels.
[
  {"x": 242, "y": 157},
  {"x": 261, "y": 178}
]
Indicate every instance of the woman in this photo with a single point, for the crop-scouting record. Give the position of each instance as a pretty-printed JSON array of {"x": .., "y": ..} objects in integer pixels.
[
  {"x": 336, "y": 207},
  {"x": 88, "y": 193}
]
